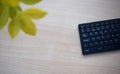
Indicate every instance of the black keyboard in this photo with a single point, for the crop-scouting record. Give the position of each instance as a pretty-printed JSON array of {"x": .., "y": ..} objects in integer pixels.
[{"x": 100, "y": 36}]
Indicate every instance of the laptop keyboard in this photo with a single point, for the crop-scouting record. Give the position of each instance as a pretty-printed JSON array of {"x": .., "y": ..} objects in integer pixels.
[{"x": 100, "y": 36}]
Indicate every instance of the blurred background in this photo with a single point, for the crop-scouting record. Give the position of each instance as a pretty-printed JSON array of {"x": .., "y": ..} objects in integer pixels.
[{"x": 56, "y": 48}]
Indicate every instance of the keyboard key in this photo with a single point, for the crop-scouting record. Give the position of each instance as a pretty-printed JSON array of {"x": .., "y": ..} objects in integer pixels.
[
  {"x": 87, "y": 25},
  {"x": 106, "y": 42},
  {"x": 111, "y": 41},
  {"x": 82, "y": 26},
  {"x": 116, "y": 40},
  {"x": 106, "y": 32},
  {"x": 116, "y": 30},
  {"x": 108, "y": 36},
  {"x": 96, "y": 44},
  {"x": 103, "y": 38},
  {"x": 91, "y": 44},
  {"x": 87, "y": 29},
  {"x": 85, "y": 45},
  {"x": 86, "y": 51},
  {"x": 101, "y": 33},
  {"x": 93, "y": 39},
  {"x": 83, "y": 30},
  {"x": 84, "y": 35},
  {"x": 117, "y": 35},
  {"x": 101, "y": 43},
  {"x": 98, "y": 28},
  {"x": 111, "y": 31},
  {"x": 107, "y": 22},
  {"x": 113, "y": 36},
  {"x": 112, "y": 26},
  {"x": 94, "y": 50},
  {"x": 98, "y": 38},
  {"x": 86, "y": 40},
  {"x": 92, "y": 25},
  {"x": 117, "y": 25},
  {"x": 107, "y": 26},
  {"x": 102, "y": 27},
  {"x": 91, "y": 34},
  {"x": 96, "y": 33},
  {"x": 93, "y": 29},
  {"x": 100, "y": 48}
]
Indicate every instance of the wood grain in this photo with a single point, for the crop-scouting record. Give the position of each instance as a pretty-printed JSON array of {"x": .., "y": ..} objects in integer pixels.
[{"x": 56, "y": 48}]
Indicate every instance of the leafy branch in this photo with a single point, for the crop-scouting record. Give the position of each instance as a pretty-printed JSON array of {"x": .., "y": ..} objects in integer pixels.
[{"x": 19, "y": 19}]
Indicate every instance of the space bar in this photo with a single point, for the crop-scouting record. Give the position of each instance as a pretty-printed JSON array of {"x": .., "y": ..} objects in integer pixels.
[{"x": 111, "y": 47}]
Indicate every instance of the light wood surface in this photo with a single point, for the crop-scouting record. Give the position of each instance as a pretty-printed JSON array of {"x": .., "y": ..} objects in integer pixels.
[{"x": 56, "y": 48}]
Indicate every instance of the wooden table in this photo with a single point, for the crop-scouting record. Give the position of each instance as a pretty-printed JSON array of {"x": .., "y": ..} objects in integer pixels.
[{"x": 56, "y": 48}]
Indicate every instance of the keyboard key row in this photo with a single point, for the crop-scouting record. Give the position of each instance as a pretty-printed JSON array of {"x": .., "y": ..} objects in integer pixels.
[
  {"x": 102, "y": 38},
  {"x": 100, "y": 49},
  {"x": 101, "y": 25},
  {"x": 100, "y": 43},
  {"x": 87, "y": 30},
  {"x": 101, "y": 35}
]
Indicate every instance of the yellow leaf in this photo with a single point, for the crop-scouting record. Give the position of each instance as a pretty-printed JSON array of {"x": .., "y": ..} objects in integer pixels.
[
  {"x": 12, "y": 3},
  {"x": 4, "y": 15},
  {"x": 14, "y": 28},
  {"x": 13, "y": 11},
  {"x": 35, "y": 13},
  {"x": 31, "y": 2},
  {"x": 27, "y": 25},
  {"x": 1, "y": 9}
]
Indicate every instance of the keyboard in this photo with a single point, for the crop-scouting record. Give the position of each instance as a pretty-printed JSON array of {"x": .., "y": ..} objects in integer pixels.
[{"x": 100, "y": 36}]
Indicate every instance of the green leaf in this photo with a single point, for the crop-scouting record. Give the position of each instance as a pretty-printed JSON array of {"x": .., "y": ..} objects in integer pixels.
[
  {"x": 14, "y": 28},
  {"x": 4, "y": 16},
  {"x": 12, "y": 3},
  {"x": 13, "y": 11},
  {"x": 30, "y": 2},
  {"x": 35, "y": 13},
  {"x": 27, "y": 25}
]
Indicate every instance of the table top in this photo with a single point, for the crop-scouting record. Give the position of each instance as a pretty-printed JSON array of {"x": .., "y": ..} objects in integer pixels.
[{"x": 56, "y": 48}]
